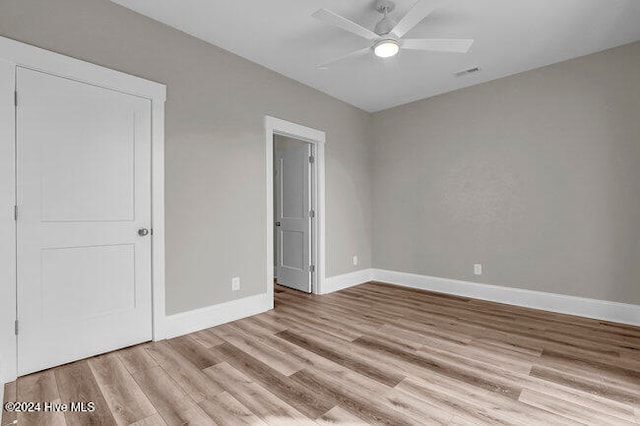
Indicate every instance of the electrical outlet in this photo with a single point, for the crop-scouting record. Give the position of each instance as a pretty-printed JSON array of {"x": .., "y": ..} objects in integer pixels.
[
  {"x": 477, "y": 269},
  {"x": 355, "y": 260},
  {"x": 235, "y": 283}
]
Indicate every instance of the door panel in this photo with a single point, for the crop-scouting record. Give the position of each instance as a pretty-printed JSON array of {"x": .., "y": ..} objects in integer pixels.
[
  {"x": 101, "y": 276},
  {"x": 83, "y": 191},
  {"x": 293, "y": 202},
  {"x": 293, "y": 249},
  {"x": 105, "y": 161}
]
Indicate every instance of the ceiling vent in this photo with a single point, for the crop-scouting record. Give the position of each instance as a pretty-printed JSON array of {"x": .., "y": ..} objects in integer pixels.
[{"x": 465, "y": 72}]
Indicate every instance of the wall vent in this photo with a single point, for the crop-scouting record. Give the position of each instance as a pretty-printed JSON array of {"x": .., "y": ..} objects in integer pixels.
[{"x": 465, "y": 72}]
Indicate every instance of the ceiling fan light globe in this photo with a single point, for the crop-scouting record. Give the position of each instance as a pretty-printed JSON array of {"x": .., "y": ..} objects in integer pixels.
[{"x": 386, "y": 48}]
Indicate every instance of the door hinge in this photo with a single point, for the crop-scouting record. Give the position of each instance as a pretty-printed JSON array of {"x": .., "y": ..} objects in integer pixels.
[
  {"x": 15, "y": 212},
  {"x": 312, "y": 158},
  {"x": 15, "y": 97},
  {"x": 312, "y": 213},
  {"x": 16, "y": 327},
  {"x": 312, "y": 268}
]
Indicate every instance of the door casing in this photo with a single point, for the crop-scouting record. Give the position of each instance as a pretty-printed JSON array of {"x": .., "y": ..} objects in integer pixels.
[
  {"x": 276, "y": 126},
  {"x": 12, "y": 55}
]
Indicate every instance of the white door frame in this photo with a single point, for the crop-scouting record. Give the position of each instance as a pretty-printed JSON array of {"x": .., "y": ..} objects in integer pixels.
[
  {"x": 317, "y": 138},
  {"x": 12, "y": 55}
]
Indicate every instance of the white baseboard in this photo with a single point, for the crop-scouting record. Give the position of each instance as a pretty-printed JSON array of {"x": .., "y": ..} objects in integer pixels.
[
  {"x": 1, "y": 395},
  {"x": 553, "y": 302},
  {"x": 572, "y": 305},
  {"x": 339, "y": 282},
  {"x": 188, "y": 322}
]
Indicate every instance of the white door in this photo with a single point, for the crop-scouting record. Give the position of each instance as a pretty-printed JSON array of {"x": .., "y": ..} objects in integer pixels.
[
  {"x": 293, "y": 218},
  {"x": 84, "y": 203}
]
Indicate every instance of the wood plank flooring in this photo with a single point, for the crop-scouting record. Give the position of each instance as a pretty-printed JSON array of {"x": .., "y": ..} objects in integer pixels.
[{"x": 370, "y": 354}]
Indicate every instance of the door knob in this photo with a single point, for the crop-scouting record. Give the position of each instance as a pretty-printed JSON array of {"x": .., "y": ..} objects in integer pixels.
[{"x": 143, "y": 232}]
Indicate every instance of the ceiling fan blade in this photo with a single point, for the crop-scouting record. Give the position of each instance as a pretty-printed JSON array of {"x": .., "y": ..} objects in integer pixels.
[
  {"x": 336, "y": 20},
  {"x": 418, "y": 12},
  {"x": 455, "y": 45},
  {"x": 348, "y": 55}
]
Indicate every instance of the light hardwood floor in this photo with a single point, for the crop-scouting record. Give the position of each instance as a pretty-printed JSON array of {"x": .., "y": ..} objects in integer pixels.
[{"x": 371, "y": 354}]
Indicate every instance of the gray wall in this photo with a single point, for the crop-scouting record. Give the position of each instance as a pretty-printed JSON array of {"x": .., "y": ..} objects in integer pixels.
[
  {"x": 215, "y": 149},
  {"x": 536, "y": 176}
]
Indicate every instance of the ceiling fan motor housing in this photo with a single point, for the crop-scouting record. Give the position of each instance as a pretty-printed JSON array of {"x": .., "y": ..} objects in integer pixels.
[{"x": 385, "y": 26}]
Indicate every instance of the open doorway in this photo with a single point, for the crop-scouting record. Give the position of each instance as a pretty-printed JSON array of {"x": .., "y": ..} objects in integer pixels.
[
  {"x": 295, "y": 206},
  {"x": 293, "y": 212}
]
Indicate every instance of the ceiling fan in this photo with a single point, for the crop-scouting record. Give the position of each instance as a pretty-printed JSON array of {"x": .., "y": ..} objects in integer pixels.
[{"x": 387, "y": 34}]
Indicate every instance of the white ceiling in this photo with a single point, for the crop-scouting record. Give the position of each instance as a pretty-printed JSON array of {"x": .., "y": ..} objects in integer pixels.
[{"x": 511, "y": 36}]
